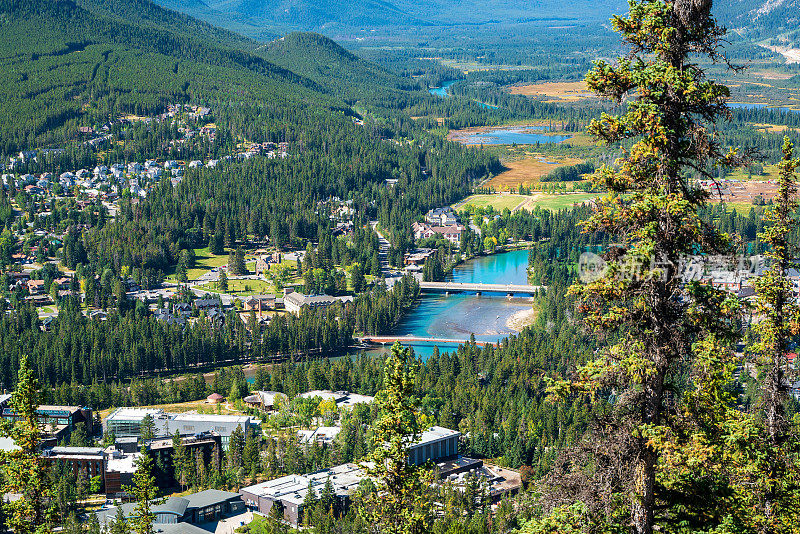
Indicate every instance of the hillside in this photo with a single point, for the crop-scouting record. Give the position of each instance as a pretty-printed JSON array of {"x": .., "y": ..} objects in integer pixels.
[
  {"x": 65, "y": 63},
  {"x": 320, "y": 59},
  {"x": 766, "y": 22}
]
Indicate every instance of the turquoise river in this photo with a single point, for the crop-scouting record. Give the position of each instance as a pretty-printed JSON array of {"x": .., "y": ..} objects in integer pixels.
[{"x": 458, "y": 316}]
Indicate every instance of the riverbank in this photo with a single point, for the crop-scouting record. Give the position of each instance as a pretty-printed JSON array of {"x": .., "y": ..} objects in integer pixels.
[
  {"x": 520, "y": 134},
  {"x": 521, "y": 319}
]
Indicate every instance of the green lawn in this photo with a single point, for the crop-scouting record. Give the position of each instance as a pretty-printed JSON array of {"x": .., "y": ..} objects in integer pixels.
[
  {"x": 557, "y": 202},
  {"x": 740, "y": 173},
  {"x": 242, "y": 288},
  {"x": 204, "y": 261},
  {"x": 543, "y": 200},
  {"x": 498, "y": 202},
  {"x": 742, "y": 208}
]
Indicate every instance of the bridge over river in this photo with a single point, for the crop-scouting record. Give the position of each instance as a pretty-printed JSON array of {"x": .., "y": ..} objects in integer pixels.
[
  {"x": 416, "y": 339},
  {"x": 460, "y": 287}
]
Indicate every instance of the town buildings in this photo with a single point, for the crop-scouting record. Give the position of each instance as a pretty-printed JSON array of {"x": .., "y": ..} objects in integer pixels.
[
  {"x": 207, "y": 445},
  {"x": 128, "y": 422},
  {"x": 291, "y": 490},
  {"x": 197, "y": 508},
  {"x": 88, "y": 462},
  {"x": 441, "y": 217},
  {"x": 294, "y": 301},
  {"x": 56, "y": 422},
  {"x": 343, "y": 399},
  {"x": 451, "y": 233},
  {"x": 437, "y": 444},
  {"x": 265, "y": 400}
]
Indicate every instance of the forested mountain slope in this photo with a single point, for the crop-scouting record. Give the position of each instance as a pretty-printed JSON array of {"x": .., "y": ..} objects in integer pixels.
[
  {"x": 62, "y": 63},
  {"x": 320, "y": 59},
  {"x": 775, "y": 20}
]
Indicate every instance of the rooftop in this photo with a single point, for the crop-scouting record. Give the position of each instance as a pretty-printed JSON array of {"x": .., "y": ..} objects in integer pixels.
[
  {"x": 293, "y": 488},
  {"x": 173, "y": 505},
  {"x": 74, "y": 451},
  {"x": 216, "y": 418},
  {"x": 133, "y": 414},
  {"x": 209, "y": 497},
  {"x": 124, "y": 463},
  {"x": 435, "y": 433},
  {"x": 266, "y": 397},
  {"x": 177, "y": 528},
  {"x": 52, "y": 408},
  {"x": 323, "y": 433},
  {"x": 341, "y": 398}
]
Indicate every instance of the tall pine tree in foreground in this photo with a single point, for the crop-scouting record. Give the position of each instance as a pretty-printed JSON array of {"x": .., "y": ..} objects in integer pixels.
[
  {"x": 144, "y": 490},
  {"x": 776, "y": 484},
  {"x": 400, "y": 504},
  {"x": 24, "y": 471},
  {"x": 640, "y": 306}
]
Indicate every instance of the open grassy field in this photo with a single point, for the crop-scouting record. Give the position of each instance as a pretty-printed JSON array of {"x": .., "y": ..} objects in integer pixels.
[
  {"x": 582, "y": 139},
  {"x": 204, "y": 261},
  {"x": 499, "y": 202},
  {"x": 557, "y": 202},
  {"x": 516, "y": 202},
  {"x": 740, "y": 173},
  {"x": 528, "y": 171},
  {"x": 770, "y": 128},
  {"x": 242, "y": 288},
  {"x": 554, "y": 91},
  {"x": 742, "y": 208}
]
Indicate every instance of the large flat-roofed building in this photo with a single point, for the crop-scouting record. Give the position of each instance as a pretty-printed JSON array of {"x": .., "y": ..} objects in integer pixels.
[
  {"x": 128, "y": 421},
  {"x": 224, "y": 425},
  {"x": 291, "y": 490},
  {"x": 120, "y": 468},
  {"x": 435, "y": 444}
]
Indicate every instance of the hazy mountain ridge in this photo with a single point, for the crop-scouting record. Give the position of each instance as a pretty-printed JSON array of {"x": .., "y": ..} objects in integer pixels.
[{"x": 328, "y": 16}]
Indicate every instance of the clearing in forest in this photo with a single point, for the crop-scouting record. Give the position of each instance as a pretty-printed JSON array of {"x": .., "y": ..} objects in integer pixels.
[
  {"x": 555, "y": 91},
  {"x": 528, "y": 171},
  {"x": 513, "y": 202}
]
